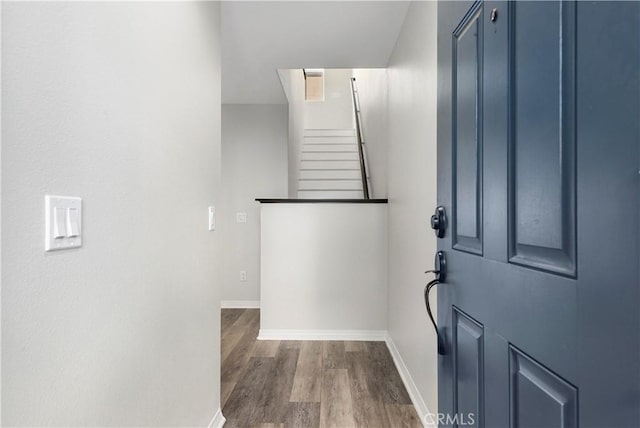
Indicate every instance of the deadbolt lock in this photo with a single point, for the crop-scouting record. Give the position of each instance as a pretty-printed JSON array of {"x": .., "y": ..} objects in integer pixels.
[
  {"x": 494, "y": 14},
  {"x": 438, "y": 221}
]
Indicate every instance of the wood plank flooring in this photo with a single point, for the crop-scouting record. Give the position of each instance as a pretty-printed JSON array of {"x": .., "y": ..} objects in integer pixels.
[{"x": 307, "y": 383}]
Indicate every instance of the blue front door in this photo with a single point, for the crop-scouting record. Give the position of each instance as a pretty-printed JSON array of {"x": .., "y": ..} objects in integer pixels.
[{"x": 538, "y": 170}]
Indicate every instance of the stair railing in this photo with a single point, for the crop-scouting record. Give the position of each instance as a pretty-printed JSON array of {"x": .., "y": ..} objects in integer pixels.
[{"x": 360, "y": 137}]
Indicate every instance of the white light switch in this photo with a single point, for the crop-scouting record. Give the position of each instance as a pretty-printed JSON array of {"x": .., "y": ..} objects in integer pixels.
[
  {"x": 212, "y": 218},
  {"x": 73, "y": 223},
  {"x": 59, "y": 223},
  {"x": 63, "y": 222},
  {"x": 241, "y": 217}
]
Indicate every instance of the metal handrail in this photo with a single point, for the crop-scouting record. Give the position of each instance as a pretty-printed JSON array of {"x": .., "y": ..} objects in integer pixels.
[{"x": 359, "y": 135}]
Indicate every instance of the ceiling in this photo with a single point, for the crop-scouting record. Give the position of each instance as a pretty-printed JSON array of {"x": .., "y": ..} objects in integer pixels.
[{"x": 260, "y": 37}]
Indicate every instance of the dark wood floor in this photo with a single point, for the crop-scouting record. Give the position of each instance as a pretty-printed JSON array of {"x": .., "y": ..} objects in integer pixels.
[{"x": 307, "y": 383}]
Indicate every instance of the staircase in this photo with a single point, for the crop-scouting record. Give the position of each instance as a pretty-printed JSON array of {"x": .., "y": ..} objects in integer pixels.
[{"x": 330, "y": 166}]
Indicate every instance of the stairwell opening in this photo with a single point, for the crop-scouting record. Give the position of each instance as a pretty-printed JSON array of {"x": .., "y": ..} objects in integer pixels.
[{"x": 328, "y": 156}]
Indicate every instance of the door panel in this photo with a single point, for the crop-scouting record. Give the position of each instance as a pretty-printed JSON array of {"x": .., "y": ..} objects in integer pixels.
[
  {"x": 468, "y": 356},
  {"x": 538, "y": 397},
  {"x": 538, "y": 164},
  {"x": 467, "y": 134},
  {"x": 542, "y": 140}
]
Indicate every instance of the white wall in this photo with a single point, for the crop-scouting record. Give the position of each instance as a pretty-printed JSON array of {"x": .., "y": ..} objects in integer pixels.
[
  {"x": 254, "y": 165},
  {"x": 261, "y": 36},
  {"x": 293, "y": 85},
  {"x": 324, "y": 267},
  {"x": 336, "y": 111},
  {"x": 1, "y": 215},
  {"x": 372, "y": 92},
  {"x": 118, "y": 103},
  {"x": 412, "y": 193}
]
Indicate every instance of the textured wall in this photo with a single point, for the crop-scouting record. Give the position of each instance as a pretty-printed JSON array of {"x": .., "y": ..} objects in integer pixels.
[
  {"x": 254, "y": 165},
  {"x": 372, "y": 90},
  {"x": 118, "y": 103},
  {"x": 293, "y": 85},
  {"x": 336, "y": 111},
  {"x": 323, "y": 266},
  {"x": 412, "y": 75}
]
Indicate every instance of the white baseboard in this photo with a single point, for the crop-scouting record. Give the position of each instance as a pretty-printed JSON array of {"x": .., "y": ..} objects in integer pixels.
[
  {"x": 218, "y": 420},
  {"x": 281, "y": 334},
  {"x": 412, "y": 389},
  {"x": 240, "y": 304}
]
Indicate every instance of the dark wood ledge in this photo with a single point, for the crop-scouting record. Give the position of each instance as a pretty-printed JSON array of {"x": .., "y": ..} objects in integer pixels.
[{"x": 321, "y": 201}]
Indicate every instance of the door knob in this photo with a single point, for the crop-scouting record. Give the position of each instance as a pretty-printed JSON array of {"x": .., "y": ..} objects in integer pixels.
[
  {"x": 440, "y": 265},
  {"x": 438, "y": 221},
  {"x": 439, "y": 271}
]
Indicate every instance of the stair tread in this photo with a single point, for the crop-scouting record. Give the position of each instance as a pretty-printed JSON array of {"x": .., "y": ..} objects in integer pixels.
[
  {"x": 349, "y": 131},
  {"x": 319, "y": 174},
  {"x": 329, "y": 169},
  {"x": 346, "y": 148},
  {"x": 329, "y": 190},
  {"x": 328, "y": 129},
  {"x": 330, "y": 184},
  {"x": 330, "y": 144},
  {"x": 336, "y": 194}
]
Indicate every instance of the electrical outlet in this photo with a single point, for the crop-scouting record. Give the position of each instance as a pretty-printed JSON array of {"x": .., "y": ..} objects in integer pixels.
[{"x": 243, "y": 275}]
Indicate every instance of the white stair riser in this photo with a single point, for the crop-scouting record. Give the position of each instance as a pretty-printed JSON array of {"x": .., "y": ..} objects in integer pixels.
[
  {"x": 330, "y": 156},
  {"x": 329, "y": 132},
  {"x": 330, "y": 140},
  {"x": 334, "y": 194},
  {"x": 329, "y": 165},
  {"x": 339, "y": 174},
  {"x": 330, "y": 185},
  {"x": 330, "y": 148}
]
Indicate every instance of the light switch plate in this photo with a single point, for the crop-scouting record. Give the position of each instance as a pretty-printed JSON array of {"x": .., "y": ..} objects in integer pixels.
[
  {"x": 63, "y": 222},
  {"x": 241, "y": 217}
]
